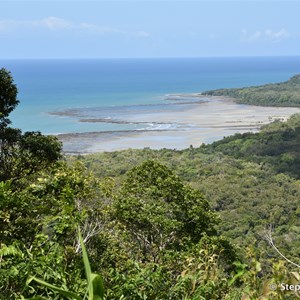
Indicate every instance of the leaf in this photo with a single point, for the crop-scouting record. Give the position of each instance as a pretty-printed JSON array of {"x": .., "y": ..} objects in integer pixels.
[
  {"x": 241, "y": 269},
  {"x": 296, "y": 275},
  {"x": 95, "y": 281},
  {"x": 258, "y": 266},
  {"x": 63, "y": 292},
  {"x": 98, "y": 286},
  {"x": 9, "y": 250},
  {"x": 235, "y": 277},
  {"x": 87, "y": 265}
]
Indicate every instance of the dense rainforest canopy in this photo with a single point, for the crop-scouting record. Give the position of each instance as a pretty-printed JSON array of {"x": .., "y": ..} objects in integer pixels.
[
  {"x": 157, "y": 224},
  {"x": 275, "y": 94}
]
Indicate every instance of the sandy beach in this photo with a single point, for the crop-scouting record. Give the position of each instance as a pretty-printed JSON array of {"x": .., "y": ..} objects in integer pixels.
[{"x": 205, "y": 121}]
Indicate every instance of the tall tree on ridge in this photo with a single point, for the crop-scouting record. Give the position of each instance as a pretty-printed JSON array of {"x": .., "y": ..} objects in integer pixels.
[{"x": 21, "y": 154}]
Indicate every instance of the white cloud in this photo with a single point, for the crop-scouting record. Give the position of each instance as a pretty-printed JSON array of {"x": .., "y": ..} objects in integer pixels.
[
  {"x": 54, "y": 23},
  {"x": 266, "y": 35},
  {"x": 59, "y": 24},
  {"x": 279, "y": 35}
]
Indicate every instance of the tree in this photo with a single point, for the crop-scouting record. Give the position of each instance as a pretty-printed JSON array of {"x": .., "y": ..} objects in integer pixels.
[
  {"x": 21, "y": 154},
  {"x": 38, "y": 223},
  {"x": 8, "y": 97},
  {"x": 161, "y": 212},
  {"x": 8, "y": 102}
]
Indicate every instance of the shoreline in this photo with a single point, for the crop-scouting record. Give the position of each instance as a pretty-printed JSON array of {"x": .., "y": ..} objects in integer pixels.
[{"x": 197, "y": 123}]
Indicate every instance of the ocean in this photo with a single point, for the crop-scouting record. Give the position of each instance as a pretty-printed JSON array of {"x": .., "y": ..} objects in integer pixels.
[{"x": 56, "y": 94}]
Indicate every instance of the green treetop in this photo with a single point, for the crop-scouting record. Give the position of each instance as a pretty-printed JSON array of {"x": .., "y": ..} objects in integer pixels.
[{"x": 8, "y": 96}]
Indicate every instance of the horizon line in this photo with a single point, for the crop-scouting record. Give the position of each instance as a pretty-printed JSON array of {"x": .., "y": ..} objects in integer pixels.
[{"x": 146, "y": 57}]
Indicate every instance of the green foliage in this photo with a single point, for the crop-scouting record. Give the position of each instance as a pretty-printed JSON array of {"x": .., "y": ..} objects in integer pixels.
[
  {"x": 277, "y": 144},
  {"x": 95, "y": 283},
  {"x": 157, "y": 224},
  {"x": 26, "y": 154},
  {"x": 95, "y": 287},
  {"x": 62, "y": 292},
  {"x": 276, "y": 94},
  {"x": 242, "y": 181},
  {"x": 201, "y": 277},
  {"x": 8, "y": 97},
  {"x": 44, "y": 258},
  {"x": 159, "y": 221},
  {"x": 40, "y": 220},
  {"x": 240, "y": 176},
  {"x": 21, "y": 154},
  {"x": 160, "y": 211}
]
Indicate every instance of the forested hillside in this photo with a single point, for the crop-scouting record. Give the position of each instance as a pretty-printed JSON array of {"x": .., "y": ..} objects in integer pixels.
[
  {"x": 157, "y": 224},
  {"x": 250, "y": 180},
  {"x": 256, "y": 174},
  {"x": 276, "y": 94}
]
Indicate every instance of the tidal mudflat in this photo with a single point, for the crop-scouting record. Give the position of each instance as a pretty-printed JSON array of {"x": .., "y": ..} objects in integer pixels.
[{"x": 175, "y": 126}]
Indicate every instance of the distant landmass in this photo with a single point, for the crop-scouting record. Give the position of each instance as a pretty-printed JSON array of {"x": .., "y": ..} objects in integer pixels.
[{"x": 275, "y": 94}]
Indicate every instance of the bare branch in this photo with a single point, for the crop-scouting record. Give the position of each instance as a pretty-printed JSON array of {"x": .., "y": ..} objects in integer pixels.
[
  {"x": 268, "y": 237},
  {"x": 90, "y": 228}
]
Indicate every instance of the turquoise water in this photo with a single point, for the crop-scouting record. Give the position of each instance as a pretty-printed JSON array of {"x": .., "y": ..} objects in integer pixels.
[{"x": 116, "y": 87}]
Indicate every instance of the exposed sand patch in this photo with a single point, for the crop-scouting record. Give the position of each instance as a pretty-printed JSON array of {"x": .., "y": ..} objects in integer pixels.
[{"x": 201, "y": 123}]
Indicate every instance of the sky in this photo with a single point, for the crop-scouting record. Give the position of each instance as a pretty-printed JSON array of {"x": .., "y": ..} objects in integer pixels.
[{"x": 142, "y": 29}]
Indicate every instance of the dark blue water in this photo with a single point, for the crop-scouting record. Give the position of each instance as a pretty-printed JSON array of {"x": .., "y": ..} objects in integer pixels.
[{"x": 56, "y": 85}]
